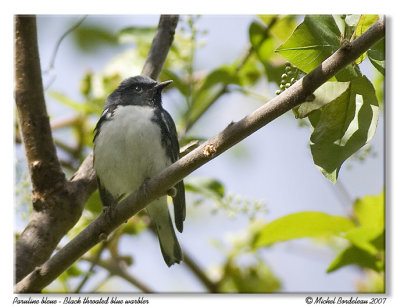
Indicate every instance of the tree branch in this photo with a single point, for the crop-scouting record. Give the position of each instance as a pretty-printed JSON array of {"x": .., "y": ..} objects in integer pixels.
[
  {"x": 160, "y": 46},
  {"x": 55, "y": 208},
  {"x": 32, "y": 115},
  {"x": 235, "y": 132},
  {"x": 57, "y": 203}
]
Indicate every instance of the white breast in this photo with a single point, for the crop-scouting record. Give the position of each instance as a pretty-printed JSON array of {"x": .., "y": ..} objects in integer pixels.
[{"x": 128, "y": 150}]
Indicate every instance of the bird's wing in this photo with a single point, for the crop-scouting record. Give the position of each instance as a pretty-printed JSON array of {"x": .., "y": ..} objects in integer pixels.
[
  {"x": 170, "y": 142},
  {"x": 106, "y": 198}
]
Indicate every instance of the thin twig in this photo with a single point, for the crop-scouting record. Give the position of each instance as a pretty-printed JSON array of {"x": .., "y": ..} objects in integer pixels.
[
  {"x": 191, "y": 263},
  {"x": 68, "y": 165},
  {"x": 157, "y": 186},
  {"x": 101, "y": 283},
  {"x": 249, "y": 52},
  {"x": 199, "y": 273},
  {"x": 119, "y": 268},
  {"x": 192, "y": 145},
  {"x": 249, "y": 93},
  {"x": 93, "y": 264},
  {"x": 59, "y": 41},
  {"x": 65, "y": 122}
]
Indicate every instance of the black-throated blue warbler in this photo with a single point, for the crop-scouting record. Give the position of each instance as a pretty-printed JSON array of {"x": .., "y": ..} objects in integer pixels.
[{"x": 135, "y": 139}]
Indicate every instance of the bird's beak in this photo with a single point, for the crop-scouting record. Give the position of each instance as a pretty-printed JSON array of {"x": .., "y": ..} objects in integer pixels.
[{"x": 161, "y": 85}]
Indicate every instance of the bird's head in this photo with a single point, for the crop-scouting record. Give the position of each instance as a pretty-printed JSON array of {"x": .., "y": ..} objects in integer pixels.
[{"x": 139, "y": 90}]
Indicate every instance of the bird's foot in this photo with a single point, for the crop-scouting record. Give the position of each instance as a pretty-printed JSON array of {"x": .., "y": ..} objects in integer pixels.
[
  {"x": 172, "y": 192},
  {"x": 109, "y": 212}
]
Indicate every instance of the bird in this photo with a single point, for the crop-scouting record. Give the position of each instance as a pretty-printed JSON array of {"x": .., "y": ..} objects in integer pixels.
[{"x": 134, "y": 139}]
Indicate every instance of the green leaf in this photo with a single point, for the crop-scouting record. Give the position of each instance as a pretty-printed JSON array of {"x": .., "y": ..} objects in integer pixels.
[
  {"x": 379, "y": 84},
  {"x": 74, "y": 271},
  {"x": 362, "y": 237},
  {"x": 314, "y": 40},
  {"x": 302, "y": 225},
  {"x": 368, "y": 240},
  {"x": 135, "y": 34},
  {"x": 250, "y": 72},
  {"x": 257, "y": 278},
  {"x": 325, "y": 94},
  {"x": 334, "y": 120},
  {"x": 206, "y": 186},
  {"x": 274, "y": 71},
  {"x": 369, "y": 211},
  {"x": 90, "y": 37},
  {"x": 344, "y": 126},
  {"x": 264, "y": 39},
  {"x": 357, "y": 256},
  {"x": 377, "y": 56},
  {"x": 223, "y": 75},
  {"x": 314, "y": 117},
  {"x": 77, "y": 106},
  {"x": 364, "y": 23},
  {"x": 94, "y": 203},
  {"x": 284, "y": 27},
  {"x": 266, "y": 19},
  {"x": 210, "y": 90},
  {"x": 340, "y": 23},
  {"x": 352, "y": 20},
  {"x": 257, "y": 33},
  {"x": 261, "y": 40},
  {"x": 178, "y": 83}
]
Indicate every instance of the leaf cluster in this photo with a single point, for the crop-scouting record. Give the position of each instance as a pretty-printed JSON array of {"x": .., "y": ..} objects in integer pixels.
[
  {"x": 343, "y": 113},
  {"x": 363, "y": 233}
]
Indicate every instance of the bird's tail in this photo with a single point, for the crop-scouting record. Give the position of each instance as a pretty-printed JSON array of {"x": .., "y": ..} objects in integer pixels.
[{"x": 159, "y": 214}]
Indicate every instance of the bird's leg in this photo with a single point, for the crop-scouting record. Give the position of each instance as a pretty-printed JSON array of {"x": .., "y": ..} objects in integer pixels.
[
  {"x": 109, "y": 210},
  {"x": 170, "y": 192}
]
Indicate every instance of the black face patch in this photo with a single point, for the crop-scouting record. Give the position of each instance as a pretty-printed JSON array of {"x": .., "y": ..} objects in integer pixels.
[{"x": 137, "y": 90}]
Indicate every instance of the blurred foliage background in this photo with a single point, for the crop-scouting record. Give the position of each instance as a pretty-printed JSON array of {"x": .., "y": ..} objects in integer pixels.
[{"x": 232, "y": 242}]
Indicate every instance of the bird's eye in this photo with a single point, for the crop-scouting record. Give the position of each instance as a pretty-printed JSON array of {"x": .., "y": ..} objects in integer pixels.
[{"x": 138, "y": 89}]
